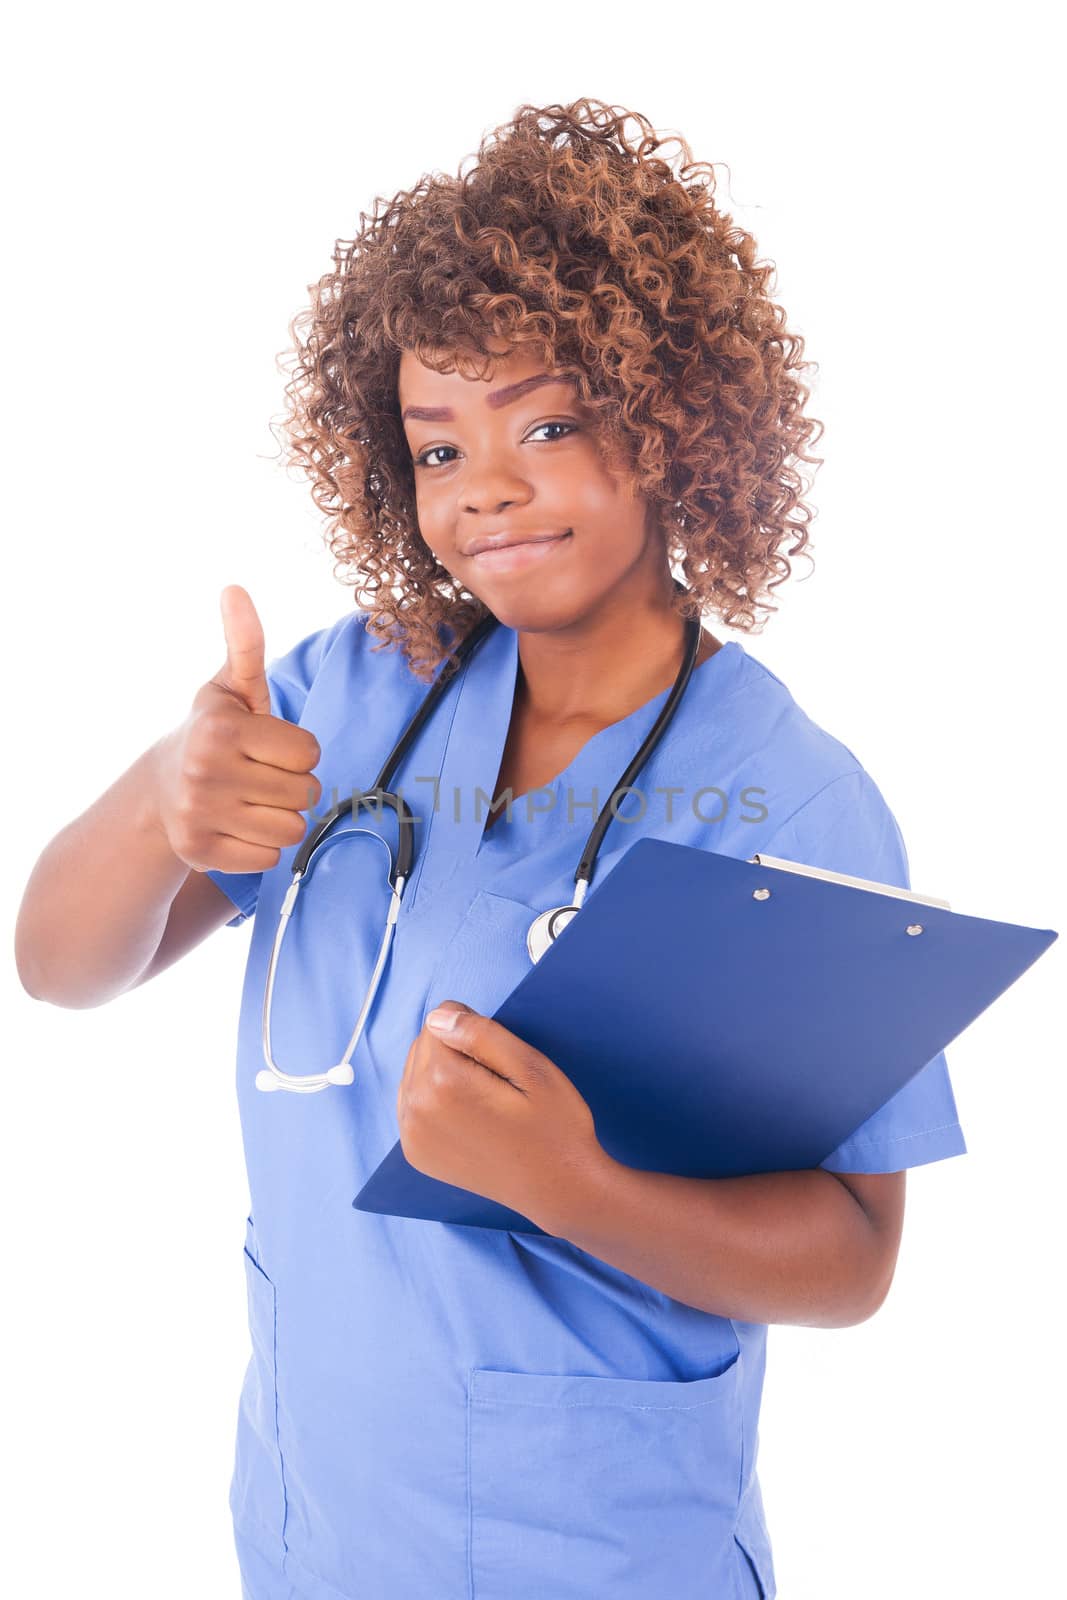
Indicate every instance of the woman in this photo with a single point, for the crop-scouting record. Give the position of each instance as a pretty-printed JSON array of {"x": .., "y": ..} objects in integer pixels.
[{"x": 534, "y": 392}]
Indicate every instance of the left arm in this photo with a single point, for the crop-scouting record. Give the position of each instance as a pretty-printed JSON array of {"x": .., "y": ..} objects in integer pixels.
[
  {"x": 813, "y": 1248},
  {"x": 480, "y": 1108}
]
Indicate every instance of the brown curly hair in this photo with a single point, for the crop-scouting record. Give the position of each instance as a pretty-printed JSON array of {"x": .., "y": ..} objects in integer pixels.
[{"x": 571, "y": 239}]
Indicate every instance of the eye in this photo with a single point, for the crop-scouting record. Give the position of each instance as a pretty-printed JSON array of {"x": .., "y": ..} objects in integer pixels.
[
  {"x": 569, "y": 426},
  {"x": 423, "y": 460}
]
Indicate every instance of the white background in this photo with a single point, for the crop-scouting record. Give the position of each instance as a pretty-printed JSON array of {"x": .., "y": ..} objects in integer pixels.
[{"x": 177, "y": 177}]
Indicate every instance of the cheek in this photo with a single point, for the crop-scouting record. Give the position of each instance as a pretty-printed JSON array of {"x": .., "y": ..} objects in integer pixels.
[
  {"x": 606, "y": 514},
  {"x": 594, "y": 499},
  {"x": 582, "y": 485},
  {"x": 434, "y": 520}
]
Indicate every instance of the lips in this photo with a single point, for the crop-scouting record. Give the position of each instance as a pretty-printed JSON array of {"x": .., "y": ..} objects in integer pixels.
[
  {"x": 501, "y": 560},
  {"x": 493, "y": 542}
]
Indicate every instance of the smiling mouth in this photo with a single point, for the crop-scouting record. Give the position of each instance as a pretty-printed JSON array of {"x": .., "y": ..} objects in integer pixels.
[{"x": 519, "y": 544}]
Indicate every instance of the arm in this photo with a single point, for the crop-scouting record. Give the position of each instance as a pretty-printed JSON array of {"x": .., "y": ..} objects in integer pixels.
[
  {"x": 121, "y": 892},
  {"x": 108, "y": 903},
  {"x": 813, "y": 1248},
  {"x": 480, "y": 1108}
]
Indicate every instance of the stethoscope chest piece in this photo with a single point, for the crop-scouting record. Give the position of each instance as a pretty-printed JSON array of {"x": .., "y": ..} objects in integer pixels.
[{"x": 544, "y": 929}]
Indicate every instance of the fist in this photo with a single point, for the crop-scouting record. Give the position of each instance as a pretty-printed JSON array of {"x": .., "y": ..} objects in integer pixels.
[
  {"x": 480, "y": 1108},
  {"x": 232, "y": 781}
]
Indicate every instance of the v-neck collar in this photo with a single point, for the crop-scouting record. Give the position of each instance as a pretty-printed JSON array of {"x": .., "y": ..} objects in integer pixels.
[{"x": 477, "y": 738}]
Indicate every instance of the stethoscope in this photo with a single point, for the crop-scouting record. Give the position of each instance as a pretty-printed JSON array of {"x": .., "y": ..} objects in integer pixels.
[{"x": 544, "y": 929}]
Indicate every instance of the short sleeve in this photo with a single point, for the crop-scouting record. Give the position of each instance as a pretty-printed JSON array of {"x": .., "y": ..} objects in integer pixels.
[
  {"x": 848, "y": 827},
  {"x": 289, "y": 679}
]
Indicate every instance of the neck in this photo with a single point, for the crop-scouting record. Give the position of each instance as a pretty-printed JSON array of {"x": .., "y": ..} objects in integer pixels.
[{"x": 601, "y": 667}]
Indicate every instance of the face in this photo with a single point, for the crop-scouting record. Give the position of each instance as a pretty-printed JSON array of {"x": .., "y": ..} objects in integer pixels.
[{"x": 514, "y": 456}]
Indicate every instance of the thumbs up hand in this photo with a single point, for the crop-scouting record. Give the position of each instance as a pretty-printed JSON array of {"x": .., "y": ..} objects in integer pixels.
[{"x": 232, "y": 780}]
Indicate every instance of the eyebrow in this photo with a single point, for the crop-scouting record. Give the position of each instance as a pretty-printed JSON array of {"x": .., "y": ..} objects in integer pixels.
[{"x": 496, "y": 398}]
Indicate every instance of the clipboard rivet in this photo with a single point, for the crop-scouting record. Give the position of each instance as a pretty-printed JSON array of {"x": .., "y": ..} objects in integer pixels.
[
  {"x": 761, "y": 894},
  {"x": 914, "y": 927}
]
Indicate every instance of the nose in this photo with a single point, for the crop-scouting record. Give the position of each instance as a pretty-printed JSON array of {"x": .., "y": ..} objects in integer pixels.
[
  {"x": 491, "y": 489},
  {"x": 485, "y": 505}
]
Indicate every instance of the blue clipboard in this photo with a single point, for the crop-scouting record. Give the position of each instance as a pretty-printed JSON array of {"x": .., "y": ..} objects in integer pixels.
[{"x": 723, "y": 1017}]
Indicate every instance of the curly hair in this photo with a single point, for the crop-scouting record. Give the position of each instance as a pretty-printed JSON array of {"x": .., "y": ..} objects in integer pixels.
[{"x": 570, "y": 239}]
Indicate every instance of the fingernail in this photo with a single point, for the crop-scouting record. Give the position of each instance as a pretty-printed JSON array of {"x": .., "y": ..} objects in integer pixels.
[{"x": 442, "y": 1020}]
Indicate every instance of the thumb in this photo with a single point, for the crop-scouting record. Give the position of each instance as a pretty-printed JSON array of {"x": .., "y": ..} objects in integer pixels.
[
  {"x": 447, "y": 1016},
  {"x": 244, "y": 673}
]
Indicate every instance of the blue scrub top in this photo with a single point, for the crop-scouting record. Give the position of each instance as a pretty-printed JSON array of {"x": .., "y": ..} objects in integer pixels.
[{"x": 467, "y": 1413}]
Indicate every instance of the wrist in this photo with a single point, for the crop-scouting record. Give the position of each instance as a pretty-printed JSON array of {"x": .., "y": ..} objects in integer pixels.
[{"x": 580, "y": 1199}]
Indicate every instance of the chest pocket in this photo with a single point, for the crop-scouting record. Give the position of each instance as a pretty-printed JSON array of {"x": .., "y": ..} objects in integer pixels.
[{"x": 483, "y": 959}]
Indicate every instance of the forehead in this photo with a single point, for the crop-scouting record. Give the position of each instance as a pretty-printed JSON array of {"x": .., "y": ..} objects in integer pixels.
[{"x": 512, "y": 374}]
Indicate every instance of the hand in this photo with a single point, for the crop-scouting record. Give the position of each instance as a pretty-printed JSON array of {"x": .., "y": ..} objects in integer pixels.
[
  {"x": 232, "y": 780},
  {"x": 481, "y": 1109}
]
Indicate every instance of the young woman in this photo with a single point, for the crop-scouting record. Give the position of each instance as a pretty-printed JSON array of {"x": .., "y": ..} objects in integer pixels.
[{"x": 552, "y": 392}]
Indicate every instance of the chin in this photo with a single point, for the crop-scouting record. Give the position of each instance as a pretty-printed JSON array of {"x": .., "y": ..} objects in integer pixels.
[{"x": 534, "y": 608}]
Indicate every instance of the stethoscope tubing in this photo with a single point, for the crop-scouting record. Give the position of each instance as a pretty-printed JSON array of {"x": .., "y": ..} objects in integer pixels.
[{"x": 545, "y": 928}]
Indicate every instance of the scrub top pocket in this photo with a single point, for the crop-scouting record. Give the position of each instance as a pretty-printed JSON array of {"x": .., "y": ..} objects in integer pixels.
[
  {"x": 581, "y": 1487},
  {"x": 257, "y": 1491},
  {"x": 486, "y": 955}
]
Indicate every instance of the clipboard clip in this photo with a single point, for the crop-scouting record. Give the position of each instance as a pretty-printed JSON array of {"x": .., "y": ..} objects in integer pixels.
[{"x": 870, "y": 884}]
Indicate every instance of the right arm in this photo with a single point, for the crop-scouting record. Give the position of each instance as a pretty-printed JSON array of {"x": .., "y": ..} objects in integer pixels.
[
  {"x": 106, "y": 898},
  {"x": 120, "y": 893}
]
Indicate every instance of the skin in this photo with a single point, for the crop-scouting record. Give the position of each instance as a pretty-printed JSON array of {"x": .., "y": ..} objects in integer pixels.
[{"x": 479, "y": 1108}]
